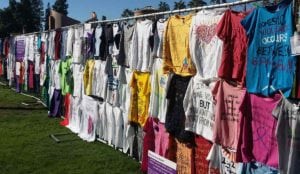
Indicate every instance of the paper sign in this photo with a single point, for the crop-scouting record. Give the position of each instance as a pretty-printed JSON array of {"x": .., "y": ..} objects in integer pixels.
[{"x": 160, "y": 165}]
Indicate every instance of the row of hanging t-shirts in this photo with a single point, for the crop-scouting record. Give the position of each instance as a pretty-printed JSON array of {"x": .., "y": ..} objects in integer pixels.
[{"x": 211, "y": 91}]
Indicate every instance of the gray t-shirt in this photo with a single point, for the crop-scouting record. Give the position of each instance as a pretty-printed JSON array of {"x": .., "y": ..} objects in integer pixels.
[{"x": 288, "y": 135}]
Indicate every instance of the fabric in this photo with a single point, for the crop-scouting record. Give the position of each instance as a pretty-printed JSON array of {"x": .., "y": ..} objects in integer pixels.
[
  {"x": 110, "y": 118},
  {"x": 159, "y": 86},
  {"x": 67, "y": 110},
  {"x": 175, "y": 117},
  {"x": 287, "y": 132},
  {"x": 98, "y": 33},
  {"x": 56, "y": 104},
  {"x": 201, "y": 151},
  {"x": 199, "y": 108},
  {"x": 257, "y": 168},
  {"x": 107, "y": 40},
  {"x": 20, "y": 48},
  {"x": 113, "y": 71},
  {"x": 54, "y": 74},
  {"x": 78, "y": 71},
  {"x": 230, "y": 108},
  {"x": 148, "y": 143},
  {"x": 158, "y": 38},
  {"x": 99, "y": 79},
  {"x": 66, "y": 76},
  {"x": 233, "y": 35},
  {"x": 75, "y": 115},
  {"x": 140, "y": 96},
  {"x": 184, "y": 158},
  {"x": 141, "y": 51},
  {"x": 88, "y": 76},
  {"x": 270, "y": 66},
  {"x": 102, "y": 122},
  {"x": 264, "y": 141},
  {"x": 77, "y": 45},
  {"x": 57, "y": 44},
  {"x": 176, "y": 55},
  {"x": 205, "y": 46},
  {"x": 125, "y": 54},
  {"x": 89, "y": 119},
  {"x": 70, "y": 41},
  {"x": 118, "y": 135},
  {"x": 161, "y": 139}
]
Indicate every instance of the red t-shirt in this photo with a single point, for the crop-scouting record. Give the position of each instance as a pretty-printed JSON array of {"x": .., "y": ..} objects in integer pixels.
[
  {"x": 57, "y": 44},
  {"x": 234, "y": 53}
]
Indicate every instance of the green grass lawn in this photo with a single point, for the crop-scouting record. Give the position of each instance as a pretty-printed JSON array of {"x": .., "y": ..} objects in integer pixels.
[{"x": 25, "y": 146}]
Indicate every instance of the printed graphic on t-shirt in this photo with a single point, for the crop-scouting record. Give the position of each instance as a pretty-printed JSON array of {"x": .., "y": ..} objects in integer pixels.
[
  {"x": 205, "y": 33},
  {"x": 90, "y": 125}
]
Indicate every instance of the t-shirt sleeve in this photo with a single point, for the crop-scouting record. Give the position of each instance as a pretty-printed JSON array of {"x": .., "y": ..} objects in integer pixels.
[
  {"x": 278, "y": 109},
  {"x": 249, "y": 22},
  {"x": 223, "y": 26}
]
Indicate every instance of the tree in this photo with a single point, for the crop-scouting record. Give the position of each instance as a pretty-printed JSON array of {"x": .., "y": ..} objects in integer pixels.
[
  {"x": 61, "y": 6},
  {"x": 126, "y": 13},
  {"x": 163, "y": 6},
  {"x": 179, "y": 5},
  {"x": 47, "y": 14},
  {"x": 196, "y": 3}
]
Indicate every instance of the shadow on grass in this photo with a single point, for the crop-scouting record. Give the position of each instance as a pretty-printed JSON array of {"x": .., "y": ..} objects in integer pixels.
[{"x": 20, "y": 108}]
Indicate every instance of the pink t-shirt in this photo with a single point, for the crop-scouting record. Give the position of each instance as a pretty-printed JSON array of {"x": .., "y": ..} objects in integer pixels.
[
  {"x": 229, "y": 112},
  {"x": 263, "y": 124}
]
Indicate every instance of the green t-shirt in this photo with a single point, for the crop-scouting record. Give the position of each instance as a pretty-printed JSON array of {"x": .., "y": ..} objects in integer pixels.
[{"x": 66, "y": 77}]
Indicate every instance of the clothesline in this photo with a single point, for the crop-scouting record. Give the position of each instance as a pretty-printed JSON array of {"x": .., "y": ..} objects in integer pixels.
[{"x": 241, "y": 2}]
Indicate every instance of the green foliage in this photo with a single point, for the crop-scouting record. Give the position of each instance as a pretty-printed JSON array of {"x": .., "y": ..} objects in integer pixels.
[
  {"x": 47, "y": 14},
  {"x": 25, "y": 146},
  {"x": 196, "y": 3},
  {"x": 179, "y": 5},
  {"x": 163, "y": 6},
  {"x": 61, "y": 6},
  {"x": 127, "y": 12},
  {"x": 21, "y": 16}
]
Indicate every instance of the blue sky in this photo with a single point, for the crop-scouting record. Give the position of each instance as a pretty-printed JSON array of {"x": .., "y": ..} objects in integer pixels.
[{"x": 81, "y": 9}]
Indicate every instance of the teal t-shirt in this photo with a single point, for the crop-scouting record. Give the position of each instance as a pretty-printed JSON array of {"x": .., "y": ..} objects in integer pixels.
[{"x": 270, "y": 66}]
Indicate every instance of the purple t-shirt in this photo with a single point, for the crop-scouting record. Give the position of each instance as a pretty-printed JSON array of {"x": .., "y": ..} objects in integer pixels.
[{"x": 20, "y": 49}]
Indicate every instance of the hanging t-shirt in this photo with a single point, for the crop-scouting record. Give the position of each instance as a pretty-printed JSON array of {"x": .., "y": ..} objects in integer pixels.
[
  {"x": 270, "y": 66},
  {"x": 99, "y": 79},
  {"x": 78, "y": 71},
  {"x": 70, "y": 41},
  {"x": 140, "y": 96},
  {"x": 89, "y": 119},
  {"x": 51, "y": 44},
  {"x": 176, "y": 53},
  {"x": 159, "y": 84},
  {"x": 57, "y": 44},
  {"x": 88, "y": 76},
  {"x": 202, "y": 149},
  {"x": 102, "y": 122},
  {"x": 125, "y": 54},
  {"x": 256, "y": 167},
  {"x": 118, "y": 135},
  {"x": 75, "y": 115},
  {"x": 264, "y": 142},
  {"x": 20, "y": 48},
  {"x": 141, "y": 51},
  {"x": 175, "y": 117},
  {"x": 110, "y": 121},
  {"x": 219, "y": 158},
  {"x": 199, "y": 107},
  {"x": 98, "y": 33},
  {"x": 233, "y": 35},
  {"x": 77, "y": 45},
  {"x": 148, "y": 143},
  {"x": 288, "y": 135},
  {"x": 229, "y": 110},
  {"x": 66, "y": 76},
  {"x": 205, "y": 46},
  {"x": 54, "y": 76},
  {"x": 184, "y": 158},
  {"x": 158, "y": 38}
]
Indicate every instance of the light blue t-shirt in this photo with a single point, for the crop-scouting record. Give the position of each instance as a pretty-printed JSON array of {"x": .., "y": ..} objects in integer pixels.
[{"x": 270, "y": 66}]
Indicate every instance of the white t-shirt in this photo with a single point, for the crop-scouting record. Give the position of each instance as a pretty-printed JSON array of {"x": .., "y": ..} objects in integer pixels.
[
  {"x": 205, "y": 46},
  {"x": 54, "y": 76},
  {"x": 118, "y": 138},
  {"x": 199, "y": 107},
  {"x": 75, "y": 115},
  {"x": 18, "y": 68},
  {"x": 125, "y": 90},
  {"x": 70, "y": 41},
  {"x": 99, "y": 79},
  {"x": 77, "y": 45},
  {"x": 141, "y": 52},
  {"x": 37, "y": 56},
  {"x": 78, "y": 79},
  {"x": 102, "y": 122},
  {"x": 110, "y": 118},
  {"x": 159, "y": 86},
  {"x": 90, "y": 115},
  {"x": 115, "y": 50},
  {"x": 158, "y": 38}
]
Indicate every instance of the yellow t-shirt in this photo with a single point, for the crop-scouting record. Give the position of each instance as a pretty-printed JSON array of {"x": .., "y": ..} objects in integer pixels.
[
  {"x": 140, "y": 97},
  {"x": 176, "y": 53},
  {"x": 88, "y": 76}
]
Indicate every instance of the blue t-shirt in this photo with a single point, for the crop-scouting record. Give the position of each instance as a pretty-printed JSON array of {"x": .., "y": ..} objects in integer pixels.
[{"x": 270, "y": 66}]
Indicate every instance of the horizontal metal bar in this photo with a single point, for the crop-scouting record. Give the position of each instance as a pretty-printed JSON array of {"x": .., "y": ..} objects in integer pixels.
[{"x": 157, "y": 14}]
